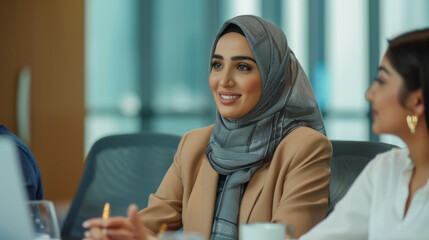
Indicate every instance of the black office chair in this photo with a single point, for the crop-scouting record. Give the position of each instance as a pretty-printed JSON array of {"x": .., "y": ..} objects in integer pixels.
[
  {"x": 348, "y": 159},
  {"x": 120, "y": 169}
]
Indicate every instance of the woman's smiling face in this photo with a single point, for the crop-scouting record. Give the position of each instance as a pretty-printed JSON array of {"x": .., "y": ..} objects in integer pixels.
[{"x": 234, "y": 79}]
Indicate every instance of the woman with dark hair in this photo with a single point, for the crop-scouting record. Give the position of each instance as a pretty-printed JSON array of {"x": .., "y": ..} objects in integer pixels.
[
  {"x": 390, "y": 198},
  {"x": 265, "y": 159}
]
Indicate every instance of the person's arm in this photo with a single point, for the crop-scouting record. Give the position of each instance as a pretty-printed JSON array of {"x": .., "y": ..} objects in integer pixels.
[
  {"x": 350, "y": 218},
  {"x": 305, "y": 194}
]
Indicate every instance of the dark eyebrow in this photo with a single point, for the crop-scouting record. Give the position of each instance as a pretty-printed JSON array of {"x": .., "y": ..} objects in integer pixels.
[
  {"x": 243, "y": 58},
  {"x": 235, "y": 58},
  {"x": 217, "y": 56},
  {"x": 383, "y": 69}
]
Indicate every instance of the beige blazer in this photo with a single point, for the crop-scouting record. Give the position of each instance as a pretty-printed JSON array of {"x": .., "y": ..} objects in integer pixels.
[{"x": 292, "y": 189}]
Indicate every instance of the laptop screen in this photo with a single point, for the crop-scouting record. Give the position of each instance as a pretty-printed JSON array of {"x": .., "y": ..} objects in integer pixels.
[{"x": 14, "y": 213}]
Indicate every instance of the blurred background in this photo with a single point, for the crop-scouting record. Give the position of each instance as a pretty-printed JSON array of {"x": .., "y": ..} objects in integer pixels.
[
  {"x": 72, "y": 71},
  {"x": 147, "y": 61}
]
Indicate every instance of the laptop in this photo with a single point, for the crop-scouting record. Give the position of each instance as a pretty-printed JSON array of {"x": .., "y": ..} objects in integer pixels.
[{"x": 15, "y": 220}]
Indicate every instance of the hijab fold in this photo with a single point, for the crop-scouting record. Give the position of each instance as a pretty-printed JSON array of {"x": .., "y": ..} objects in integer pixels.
[{"x": 239, "y": 147}]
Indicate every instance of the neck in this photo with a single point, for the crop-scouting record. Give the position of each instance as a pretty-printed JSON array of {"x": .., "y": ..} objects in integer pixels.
[{"x": 418, "y": 144}]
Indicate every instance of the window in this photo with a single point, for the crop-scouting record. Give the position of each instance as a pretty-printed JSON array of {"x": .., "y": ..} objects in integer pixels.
[{"x": 147, "y": 62}]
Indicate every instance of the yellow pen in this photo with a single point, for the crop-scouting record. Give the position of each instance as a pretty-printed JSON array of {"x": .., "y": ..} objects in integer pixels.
[
  {"x": 105, "y": 216},
  {"x": 162, "y": 230},
  {"x": 106, "y": 211}
]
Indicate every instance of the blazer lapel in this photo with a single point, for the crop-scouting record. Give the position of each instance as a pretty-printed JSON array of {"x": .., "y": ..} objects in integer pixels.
[
  {"x": 199, "y": 216},
  {"x": 251, "y": 195}
]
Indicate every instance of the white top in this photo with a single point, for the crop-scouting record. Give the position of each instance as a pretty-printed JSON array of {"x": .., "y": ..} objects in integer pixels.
[{"x": 374, "y": 206}]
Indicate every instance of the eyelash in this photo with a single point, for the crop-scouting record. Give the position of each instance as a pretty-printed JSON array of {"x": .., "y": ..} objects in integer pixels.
[
  {"x": 215, "y": 63},
  {"x": 248, "y": 68},
  {"x": 379, "y": 81},
  {"x": 239, "y": 66}
]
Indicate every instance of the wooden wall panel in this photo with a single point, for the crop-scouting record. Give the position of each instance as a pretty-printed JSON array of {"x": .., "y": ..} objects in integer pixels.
[
  {"x": 48, "y": 36},
  {"x": 15, "y": 51}
]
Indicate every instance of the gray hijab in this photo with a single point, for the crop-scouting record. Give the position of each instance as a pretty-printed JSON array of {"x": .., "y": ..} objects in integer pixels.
[{"x": 238, "y": 147}]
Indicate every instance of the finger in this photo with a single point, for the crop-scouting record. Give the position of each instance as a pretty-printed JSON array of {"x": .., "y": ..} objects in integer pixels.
[
  {"x": 140, "y": 231},
  {"x": 119, "y": 222},
  {"x": 113, "y": 222},
  {"x": 120, "y": 234},
  {"x": 93, "y": 222},
  {"x": 96, "y": 234},
  {"x": 132, "y": 209}
]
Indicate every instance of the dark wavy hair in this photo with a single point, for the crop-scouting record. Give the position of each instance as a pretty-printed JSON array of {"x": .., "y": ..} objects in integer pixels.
[{"x": 409, "y": 56}]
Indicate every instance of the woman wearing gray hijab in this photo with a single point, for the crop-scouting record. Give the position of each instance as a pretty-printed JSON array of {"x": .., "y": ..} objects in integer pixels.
[{"x": 266, "y": 158}]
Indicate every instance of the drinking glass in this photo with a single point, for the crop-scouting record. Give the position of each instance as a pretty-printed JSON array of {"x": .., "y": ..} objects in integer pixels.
[
  {"x": 272, "y": 231},
  {"x": 44, "y": 220}
]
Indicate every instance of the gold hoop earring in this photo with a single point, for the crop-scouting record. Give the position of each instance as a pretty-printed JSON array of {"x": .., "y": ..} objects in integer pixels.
[{"x": 412, "y": 122}]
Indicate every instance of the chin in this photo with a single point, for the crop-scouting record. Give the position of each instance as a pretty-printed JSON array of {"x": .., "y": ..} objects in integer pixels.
[
  {"x": 376, "y": 130},
  {"x": 229, "y": 114}
]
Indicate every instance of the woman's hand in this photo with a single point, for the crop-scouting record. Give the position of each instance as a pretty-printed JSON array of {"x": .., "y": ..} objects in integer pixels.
[{"x": 116, "y": 228}]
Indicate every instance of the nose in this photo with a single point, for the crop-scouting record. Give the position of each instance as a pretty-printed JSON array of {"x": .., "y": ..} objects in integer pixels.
[
  {"x": 369, "y": 93},
  {"x": 227, "y": 80}
]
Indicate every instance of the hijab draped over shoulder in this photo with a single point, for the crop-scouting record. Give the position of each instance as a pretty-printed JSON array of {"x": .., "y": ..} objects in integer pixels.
[{"x": 238, "y": 147}]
